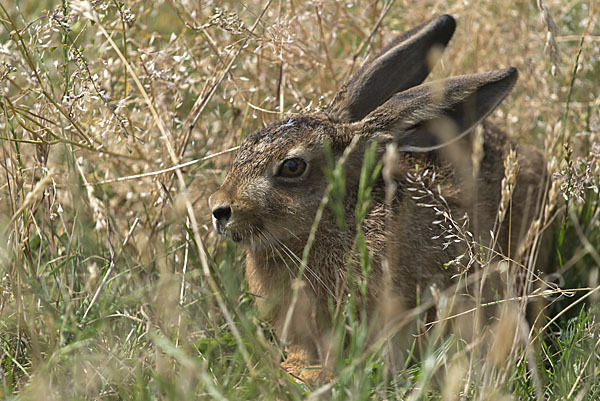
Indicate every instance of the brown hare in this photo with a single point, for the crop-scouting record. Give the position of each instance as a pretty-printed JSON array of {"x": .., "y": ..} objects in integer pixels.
[{"x": 272, "y": 193}]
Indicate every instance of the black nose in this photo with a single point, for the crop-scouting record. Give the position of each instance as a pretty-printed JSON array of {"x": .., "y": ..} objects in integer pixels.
[{"x": 222, "y": 215}]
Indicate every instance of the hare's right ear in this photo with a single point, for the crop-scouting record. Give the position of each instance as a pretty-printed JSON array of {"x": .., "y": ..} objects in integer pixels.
[
  {"x": 433, "y": 115},
  {"x": 404, "y": 63}
]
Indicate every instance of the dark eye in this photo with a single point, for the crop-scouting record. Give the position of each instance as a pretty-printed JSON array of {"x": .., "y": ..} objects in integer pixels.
[{"x": 292, "y": 168}]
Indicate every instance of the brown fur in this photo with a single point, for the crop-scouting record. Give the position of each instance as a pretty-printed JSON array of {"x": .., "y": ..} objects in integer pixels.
[{"x": 272, "y": 215}]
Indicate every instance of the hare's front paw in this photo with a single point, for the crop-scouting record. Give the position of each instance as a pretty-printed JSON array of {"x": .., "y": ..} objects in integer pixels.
[
  {"x": 312, "y": 376},
  {"x": 299, "y": 367}
]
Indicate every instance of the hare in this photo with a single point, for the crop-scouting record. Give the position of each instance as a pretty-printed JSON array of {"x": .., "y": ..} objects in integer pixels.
[{"x": 271, "y": 195}]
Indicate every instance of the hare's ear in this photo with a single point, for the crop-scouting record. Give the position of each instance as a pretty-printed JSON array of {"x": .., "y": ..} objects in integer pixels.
[
  {"x": 404, "y": 63},
  {"x": 432, "y": 115}
]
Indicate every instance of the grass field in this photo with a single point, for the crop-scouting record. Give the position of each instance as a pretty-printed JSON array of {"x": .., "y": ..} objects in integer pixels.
[{"x": 114, "y": 286}]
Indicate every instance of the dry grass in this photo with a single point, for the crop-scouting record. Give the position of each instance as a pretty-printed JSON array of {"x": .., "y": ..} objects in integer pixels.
[{"x": 113, "y": 285}]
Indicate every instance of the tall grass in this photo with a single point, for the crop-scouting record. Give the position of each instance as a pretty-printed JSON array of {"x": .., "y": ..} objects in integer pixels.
[{"x": 119, "y": 119}]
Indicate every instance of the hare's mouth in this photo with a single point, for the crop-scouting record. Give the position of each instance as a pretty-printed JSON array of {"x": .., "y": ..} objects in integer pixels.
[
  {"x": 238, "y": 234},
  {"x": 225, "y": 228},
  {"x": 257, "y": 237},
  {"x": 228, "y": 232}
]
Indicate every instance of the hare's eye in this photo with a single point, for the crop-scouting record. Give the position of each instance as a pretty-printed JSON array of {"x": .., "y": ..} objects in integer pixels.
[{"x": 292, "y": 168}]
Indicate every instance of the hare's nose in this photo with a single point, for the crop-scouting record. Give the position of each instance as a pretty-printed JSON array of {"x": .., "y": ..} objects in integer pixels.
[{"x": 222, "y": 214}]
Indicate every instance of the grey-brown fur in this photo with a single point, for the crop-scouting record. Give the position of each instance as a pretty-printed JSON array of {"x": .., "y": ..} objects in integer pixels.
[{"x": 272, "y": 215}]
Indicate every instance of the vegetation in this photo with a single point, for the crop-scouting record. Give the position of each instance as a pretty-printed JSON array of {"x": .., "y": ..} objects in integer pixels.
[{"x": 119, "y": 118}]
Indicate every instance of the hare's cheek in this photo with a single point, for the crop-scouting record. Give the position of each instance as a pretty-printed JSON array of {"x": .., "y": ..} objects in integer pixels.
[{"x": 256, "y": 194}]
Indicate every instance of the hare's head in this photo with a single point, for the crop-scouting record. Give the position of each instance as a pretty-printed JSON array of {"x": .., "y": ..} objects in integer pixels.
[{"x": 277, "y": 180}]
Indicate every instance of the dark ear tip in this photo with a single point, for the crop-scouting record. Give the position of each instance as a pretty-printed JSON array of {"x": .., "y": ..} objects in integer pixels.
[
  {"x": 447, "y": 19},
  {"x": 447, "y": 25},
  {"x": 511, "y": 74}
]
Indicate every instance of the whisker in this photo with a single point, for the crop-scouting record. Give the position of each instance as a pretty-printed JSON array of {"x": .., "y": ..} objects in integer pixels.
[
  {"x": 252, "y": 246},
  {"x": 291, "y": 253},
  {"x": 286, "y": 229},
  {"x": 276, "y": 247},
  {"x": 296, "y": 263},
  {"x": 264, "y": 213},
  {"x": 273, "y": 250}
]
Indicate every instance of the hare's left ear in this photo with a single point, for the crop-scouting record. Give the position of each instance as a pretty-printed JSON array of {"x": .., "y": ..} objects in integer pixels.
[
  {"x": 404, "y": 63},
  {"x": 433, "y": 115}
]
